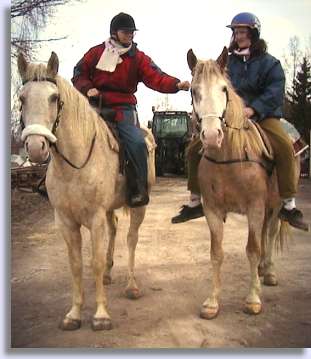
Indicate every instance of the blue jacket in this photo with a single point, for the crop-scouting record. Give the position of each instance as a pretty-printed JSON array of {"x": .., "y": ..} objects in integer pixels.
[{"x": 260, "y": 81}]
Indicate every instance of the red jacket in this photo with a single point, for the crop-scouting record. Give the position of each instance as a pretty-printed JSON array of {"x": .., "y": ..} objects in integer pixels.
[{"x": 118, "y": 87}]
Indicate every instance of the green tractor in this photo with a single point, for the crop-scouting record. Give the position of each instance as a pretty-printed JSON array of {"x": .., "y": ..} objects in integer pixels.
[{"x": 172, "y": 132}]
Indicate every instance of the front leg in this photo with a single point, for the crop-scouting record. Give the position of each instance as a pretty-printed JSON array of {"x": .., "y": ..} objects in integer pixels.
[
  {"x": 210, "y": 307},
  {"x": 99, "y": 236},
  {"x": 72, "y": 236}
]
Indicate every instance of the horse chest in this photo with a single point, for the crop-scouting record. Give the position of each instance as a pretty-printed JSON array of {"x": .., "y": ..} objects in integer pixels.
[{"x": 223, "y": 189}]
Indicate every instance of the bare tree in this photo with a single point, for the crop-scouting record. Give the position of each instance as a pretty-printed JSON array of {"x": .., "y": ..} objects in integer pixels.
[
  {"x": 28, "y": 17},
  {"x": 163, "y": 104},
  {"x": 295, "y": 53}
]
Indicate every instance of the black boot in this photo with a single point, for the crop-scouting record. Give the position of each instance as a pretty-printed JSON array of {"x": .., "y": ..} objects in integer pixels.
[
  {"x": 187, "y": 213},
  {"x": 294, "y": 217},
  {"x": 138, "y": 199},
  {"x": 136, "y": 191}
]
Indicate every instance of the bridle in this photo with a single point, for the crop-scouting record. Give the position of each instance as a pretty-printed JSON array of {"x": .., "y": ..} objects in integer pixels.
[
  {"x": 60, "y": 105},
  {"x": 224, "y": 124},
  {"x": 221, "y": 118}
]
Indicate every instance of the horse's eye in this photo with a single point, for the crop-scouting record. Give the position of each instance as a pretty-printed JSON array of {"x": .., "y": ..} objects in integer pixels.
[
  {"x": 22, "y": 99},
  {"x": 54, "y": 98}
]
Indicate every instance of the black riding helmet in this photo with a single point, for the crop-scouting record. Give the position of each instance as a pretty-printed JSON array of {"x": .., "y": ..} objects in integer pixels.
[{"x": 122, "y": 21}]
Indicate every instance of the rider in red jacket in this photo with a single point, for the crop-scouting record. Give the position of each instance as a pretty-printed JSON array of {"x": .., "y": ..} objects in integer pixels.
[
  {"x": 110, "y": 73},
  {"x": 118, "y": 87}
]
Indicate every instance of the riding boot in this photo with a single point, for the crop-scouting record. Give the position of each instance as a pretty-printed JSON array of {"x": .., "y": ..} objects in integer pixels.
[
  {"x": 294, "y": 217},
  {"x": 136, "y": 191},
  {"x": 187, "y": 213}
]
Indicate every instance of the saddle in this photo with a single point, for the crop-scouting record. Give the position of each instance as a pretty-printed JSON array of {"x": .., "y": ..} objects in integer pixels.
[{"x": 267, "y": 155}]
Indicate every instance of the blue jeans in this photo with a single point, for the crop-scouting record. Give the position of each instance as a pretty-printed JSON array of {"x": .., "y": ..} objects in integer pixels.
[{"x": 134, "y": 144}]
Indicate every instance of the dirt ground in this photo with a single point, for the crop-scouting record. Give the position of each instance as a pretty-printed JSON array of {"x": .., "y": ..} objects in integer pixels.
[{"x": 174, "y": 272}]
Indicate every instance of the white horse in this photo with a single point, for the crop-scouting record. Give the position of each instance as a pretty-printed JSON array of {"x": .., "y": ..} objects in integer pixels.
[{"x": 83, "y": 180}]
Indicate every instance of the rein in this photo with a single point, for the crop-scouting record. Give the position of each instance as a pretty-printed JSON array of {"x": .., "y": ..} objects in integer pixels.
[{"x": 60, "y": 105}]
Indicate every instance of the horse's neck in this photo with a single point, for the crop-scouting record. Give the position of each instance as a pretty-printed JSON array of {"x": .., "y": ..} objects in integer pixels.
[{"x": 76, "y": 132}]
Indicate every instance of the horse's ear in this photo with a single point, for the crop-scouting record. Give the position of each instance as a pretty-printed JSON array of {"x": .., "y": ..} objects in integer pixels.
[
  {"x": 191, "y": 59},
  {"x": 52, "y": 68},
  {"x": 222, "y": 59},
  {"x": 22, "y": 65}
]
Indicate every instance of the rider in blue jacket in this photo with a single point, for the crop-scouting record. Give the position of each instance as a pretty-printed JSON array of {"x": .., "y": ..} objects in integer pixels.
[{"x": 259, "y": 80}]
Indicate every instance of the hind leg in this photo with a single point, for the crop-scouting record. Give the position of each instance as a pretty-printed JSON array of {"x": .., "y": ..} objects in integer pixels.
[
  {"x": 112, "y": 222},
  {"x": 210, "y": 307},
  {"x": 267, "y": 265},
  {"x": 136, "y": 217},
  {"x": 255, "y": 225}
]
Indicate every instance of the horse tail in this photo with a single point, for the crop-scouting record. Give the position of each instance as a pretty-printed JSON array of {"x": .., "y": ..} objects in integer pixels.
[
  {"x": 276, "y": 230},
  {"x": 283, "y": 236}
]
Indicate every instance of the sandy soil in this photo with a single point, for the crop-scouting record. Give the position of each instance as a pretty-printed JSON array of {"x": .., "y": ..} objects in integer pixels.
[{"x": 173, "y": 270}]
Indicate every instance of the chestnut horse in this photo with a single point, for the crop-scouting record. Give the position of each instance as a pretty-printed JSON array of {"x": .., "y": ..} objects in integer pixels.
[{"x": 233, "y": 177}]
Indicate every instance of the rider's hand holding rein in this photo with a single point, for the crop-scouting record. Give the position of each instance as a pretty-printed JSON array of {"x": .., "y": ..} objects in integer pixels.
[{"x": 93, "y": 92}]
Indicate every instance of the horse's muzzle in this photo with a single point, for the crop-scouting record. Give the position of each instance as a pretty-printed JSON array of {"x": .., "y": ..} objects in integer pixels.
[
  {"x": 37, "y": 147},
  {"x": 212, "y": 137}
]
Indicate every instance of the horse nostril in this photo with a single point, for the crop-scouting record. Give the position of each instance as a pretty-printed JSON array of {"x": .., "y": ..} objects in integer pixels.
[
  {"x": 220, "y": 134},
  {"x": 43, "y": 146},
  {"x": 26, "y": 145}
]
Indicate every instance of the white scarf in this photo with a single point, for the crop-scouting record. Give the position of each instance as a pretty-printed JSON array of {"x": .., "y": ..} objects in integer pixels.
[
  {"x": 242, "y": 52},
  {"x": 110, "y": 58}
]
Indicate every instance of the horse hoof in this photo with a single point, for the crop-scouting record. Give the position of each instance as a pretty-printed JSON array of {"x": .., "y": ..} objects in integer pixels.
[
  {"x": 252, "y": 308},
  {"x": 70, "y": 324},
  {"x": 107, "y": 280},
  {"x": 270, "y": 280},
  {"x": 101, "y": 324},
  {"x": 133, "y": 293},
  {"x": 209, "y": 312}
]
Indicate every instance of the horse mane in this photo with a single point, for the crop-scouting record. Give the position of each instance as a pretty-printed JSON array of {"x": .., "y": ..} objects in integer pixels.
[
  {"x": 234, "y": 117},
  {"x": 81, "y": 119}
]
